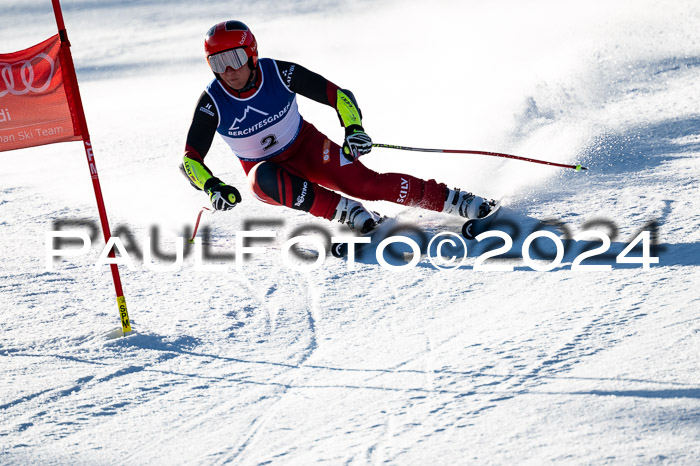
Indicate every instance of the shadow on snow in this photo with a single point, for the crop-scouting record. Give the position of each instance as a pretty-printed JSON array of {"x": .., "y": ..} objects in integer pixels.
[{"x": 519, "y": 227}]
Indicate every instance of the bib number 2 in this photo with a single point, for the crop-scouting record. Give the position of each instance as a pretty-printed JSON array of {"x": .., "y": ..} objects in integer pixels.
[{"x": 268, "y": 141}]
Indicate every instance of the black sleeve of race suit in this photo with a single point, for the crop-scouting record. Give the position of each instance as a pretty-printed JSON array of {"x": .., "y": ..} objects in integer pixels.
[
  {"x": 204, "y": 123},
  {"x": 307, "y": 83}
]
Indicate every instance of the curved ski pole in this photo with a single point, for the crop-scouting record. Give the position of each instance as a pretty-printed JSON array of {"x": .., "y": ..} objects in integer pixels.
[
  {"x": 196, "y": 224},
  {"x": 577, "y": 167}
]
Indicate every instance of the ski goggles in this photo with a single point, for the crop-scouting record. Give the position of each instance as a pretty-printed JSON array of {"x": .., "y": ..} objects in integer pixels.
[{"x": 235, "y": 58}]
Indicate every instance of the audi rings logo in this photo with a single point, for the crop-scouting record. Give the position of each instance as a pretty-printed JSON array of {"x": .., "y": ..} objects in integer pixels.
[{"x": 24, "y": 76}]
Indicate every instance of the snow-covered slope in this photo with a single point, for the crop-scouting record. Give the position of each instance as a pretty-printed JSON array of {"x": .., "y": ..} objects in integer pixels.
[{"x": 270, "y": 364}]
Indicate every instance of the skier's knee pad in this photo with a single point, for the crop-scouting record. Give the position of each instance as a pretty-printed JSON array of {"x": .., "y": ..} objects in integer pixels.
[{"x": 274, "y": 185}]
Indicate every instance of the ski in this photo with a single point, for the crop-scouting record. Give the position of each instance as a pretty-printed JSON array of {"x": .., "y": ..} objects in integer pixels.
[
  {"x": 340, "y": 250},
  {"x": 474, "y": 227}
]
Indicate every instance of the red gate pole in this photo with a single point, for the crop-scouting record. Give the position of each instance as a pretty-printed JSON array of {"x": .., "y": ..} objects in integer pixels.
[{"x": 78, "y": 114}]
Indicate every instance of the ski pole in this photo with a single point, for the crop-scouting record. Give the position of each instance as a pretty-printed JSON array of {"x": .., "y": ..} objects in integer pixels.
[
  {"x": 196, "y": 225},
  {"x": 577, "y": 167}
]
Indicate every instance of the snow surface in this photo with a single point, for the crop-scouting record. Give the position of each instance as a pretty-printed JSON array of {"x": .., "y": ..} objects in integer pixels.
[{"x": 367, "y": 366}]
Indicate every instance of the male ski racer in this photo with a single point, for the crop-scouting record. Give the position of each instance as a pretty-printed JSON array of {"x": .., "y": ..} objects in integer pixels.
[{"x": 252, "y": 104}]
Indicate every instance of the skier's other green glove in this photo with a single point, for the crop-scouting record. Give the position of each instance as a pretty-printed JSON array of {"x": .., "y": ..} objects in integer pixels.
[
  {"x": 221, "y": 195},
  {"x": 356, "y": 143}
]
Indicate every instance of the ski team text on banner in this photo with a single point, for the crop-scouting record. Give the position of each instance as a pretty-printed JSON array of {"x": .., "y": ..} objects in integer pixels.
[
  {"x": 34, "y": 107},
  {"x": 40, "y": 104}
]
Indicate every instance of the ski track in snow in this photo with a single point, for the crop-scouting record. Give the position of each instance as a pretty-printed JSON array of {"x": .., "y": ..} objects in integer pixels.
[
  {"x": 367, "y": 366},
  {"x": 260, "y": 422}
]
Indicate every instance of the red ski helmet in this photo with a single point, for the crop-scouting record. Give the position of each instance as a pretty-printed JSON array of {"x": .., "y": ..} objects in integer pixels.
[{"x": 229, "y": 35}]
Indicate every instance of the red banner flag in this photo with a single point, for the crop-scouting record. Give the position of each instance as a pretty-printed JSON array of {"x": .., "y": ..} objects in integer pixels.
[{"x": 34, "y": 107}]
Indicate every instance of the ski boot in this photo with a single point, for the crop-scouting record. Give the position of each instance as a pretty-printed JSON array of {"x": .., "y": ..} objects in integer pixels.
[
  {"x": 360, "y": 220},
  {"x": 355, "y": 216},
  {"x": 467, "y": 205}
]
